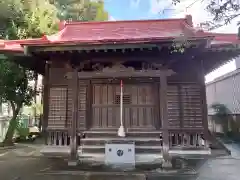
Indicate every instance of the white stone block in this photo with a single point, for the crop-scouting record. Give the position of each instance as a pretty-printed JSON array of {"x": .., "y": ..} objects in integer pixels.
[{"x": 117, "y": 154}]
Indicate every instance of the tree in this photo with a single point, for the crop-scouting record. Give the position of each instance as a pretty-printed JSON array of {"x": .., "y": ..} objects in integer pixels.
[
  {"x": 221, "y": 113},
  {"x": 27, "y": 19},
  {"x": 14, "y": 89},
  {"x": 222, "y": 11},
  {"x": 31, "y": 19},
  {"x": 79, "y": 10},
  {"x": 24, "y": 19}
]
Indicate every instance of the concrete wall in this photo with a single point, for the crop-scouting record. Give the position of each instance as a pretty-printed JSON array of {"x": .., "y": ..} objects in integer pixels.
[
  {"x": 225, "y": 90},
  {"x": 3, "y": 126}
]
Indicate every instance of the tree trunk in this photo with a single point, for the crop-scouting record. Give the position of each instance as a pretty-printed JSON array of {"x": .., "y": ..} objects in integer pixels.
[
  {"x": 12, "y": 126},
  {"x": 40, "y": 122},
  {"x": 35, "y": 96},
  {"x": 1, "y": 106}
]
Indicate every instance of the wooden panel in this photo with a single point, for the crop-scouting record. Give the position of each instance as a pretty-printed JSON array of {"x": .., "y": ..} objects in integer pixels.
[
  {"x": 69, "y": 107},
  {"x": 173, "y": 106},
  {"x": 57, "y": 76},
  {"x": 184, "y": 106},
  {"x": 192, "y": 107},
  {"x": 138, "y": 106},
  {"x": 142, "y": 111},
  {"x": 57, "y": 107},
  {"x": 82, "y": 104},
  {"x": 105, "y": 112}
]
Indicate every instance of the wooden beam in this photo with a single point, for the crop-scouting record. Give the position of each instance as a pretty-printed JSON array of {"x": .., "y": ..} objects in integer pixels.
[
  {"x": 45, "y": 101},
  {"x": 89, "y": 47},
  {"x": 121, "y": 74},
  {"x": 73, "y": 144}
]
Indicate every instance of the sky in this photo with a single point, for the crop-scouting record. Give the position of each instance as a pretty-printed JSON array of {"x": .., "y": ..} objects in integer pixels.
[{"x": 159, "y": 9}]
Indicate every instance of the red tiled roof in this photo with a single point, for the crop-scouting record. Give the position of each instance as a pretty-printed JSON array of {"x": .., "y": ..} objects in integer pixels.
[
  {"x": 119, "y": 30},
  {"x": 221, "y": 38},
  {"x": 122, "y": 31},
  {"x": 15, "y": 45}
]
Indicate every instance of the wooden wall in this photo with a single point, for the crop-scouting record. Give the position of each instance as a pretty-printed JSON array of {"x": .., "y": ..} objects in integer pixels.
[{"x": 184, "y": 100}]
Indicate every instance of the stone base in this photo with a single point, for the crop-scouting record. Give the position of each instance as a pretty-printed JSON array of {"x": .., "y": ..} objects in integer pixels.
[
  {"x": 166, "y": 165},
  {"x": 72, "y": 163}
]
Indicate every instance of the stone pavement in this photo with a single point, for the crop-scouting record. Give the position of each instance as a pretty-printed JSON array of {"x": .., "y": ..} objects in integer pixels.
[
  {"x": 26, "y": 163},
  {"x": 223, "y": 168}
]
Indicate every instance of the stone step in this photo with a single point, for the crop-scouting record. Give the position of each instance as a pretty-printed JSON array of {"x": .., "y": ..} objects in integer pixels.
[
  {"x": 110, "y": 134},
  {"x": 138, "y": 149},
  {"x": 138, "y": 141}
]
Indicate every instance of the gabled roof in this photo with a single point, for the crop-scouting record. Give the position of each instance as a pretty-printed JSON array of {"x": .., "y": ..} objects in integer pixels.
[
  {"x": 122, "y": 31},
  {"x": 112, "y": 32}
]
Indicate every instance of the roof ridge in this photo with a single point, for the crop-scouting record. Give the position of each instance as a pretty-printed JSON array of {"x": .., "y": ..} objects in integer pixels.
[
  {"x": 121, "y": 21},
  {"x": 216, "y": 33}
]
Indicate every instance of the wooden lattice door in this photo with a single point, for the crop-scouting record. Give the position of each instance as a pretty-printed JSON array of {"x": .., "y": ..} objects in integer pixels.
[
  {"x": 105, "y": 111},
  {"x": 142, "y": 111},
  {"x": 139, "y": 107}
]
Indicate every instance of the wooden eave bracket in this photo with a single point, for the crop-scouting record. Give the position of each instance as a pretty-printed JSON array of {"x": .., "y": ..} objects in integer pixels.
[
  {"x": 89, "y": 47},
  {"x": 228, "y": 47},
  {"x": 121, "y": 74}
]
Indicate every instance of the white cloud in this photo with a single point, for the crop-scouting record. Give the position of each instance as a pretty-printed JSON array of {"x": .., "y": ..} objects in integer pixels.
[
  {"x": 158, "y": 6},
  {"x": 199, "y": 13},
  {"x": 134, "y": 4},
  {"x": 111, "y": 19}
]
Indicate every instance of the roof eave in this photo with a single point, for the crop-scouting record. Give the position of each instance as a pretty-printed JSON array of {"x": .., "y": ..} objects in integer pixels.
[{"x": 104, "y": 44}]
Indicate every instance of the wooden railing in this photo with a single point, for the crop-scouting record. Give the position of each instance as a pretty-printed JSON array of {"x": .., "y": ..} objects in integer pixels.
[
  {"x": 187, "y": 140},
  {"x": 177, "y": 139},
  {"x": 59, "y": 138}
]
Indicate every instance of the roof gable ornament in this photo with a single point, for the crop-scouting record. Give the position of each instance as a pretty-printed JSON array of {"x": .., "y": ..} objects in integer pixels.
[
  {"x": 189, "y": 20},
  {"x": 118, "y": 67}
]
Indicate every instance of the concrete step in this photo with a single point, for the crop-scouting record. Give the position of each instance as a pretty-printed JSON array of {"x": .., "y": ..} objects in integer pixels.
[
  {"x": 138, "y": 149},
  {"x": 138, "y": 141},
  {"x": 141, "y": 158},
  {"x": 113, "y": 134}
]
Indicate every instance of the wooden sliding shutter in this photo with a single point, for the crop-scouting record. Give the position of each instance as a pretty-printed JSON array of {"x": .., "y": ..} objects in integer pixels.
[
  {"x": 192, "y": 106},
  {"x": 184, "y": 106},
  {"x": 57, "y": 107},
  {"x": 69, "y": 107},
  {"x": 173, "y": 105},
  {"x": 82, "y": 104}
]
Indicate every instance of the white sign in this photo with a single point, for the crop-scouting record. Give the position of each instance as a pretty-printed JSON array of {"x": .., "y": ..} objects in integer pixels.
[{"x": 120, "y": 155}]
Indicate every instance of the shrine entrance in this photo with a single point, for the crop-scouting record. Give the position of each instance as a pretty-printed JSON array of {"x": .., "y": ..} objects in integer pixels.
[{"x": 139, "y": 107}]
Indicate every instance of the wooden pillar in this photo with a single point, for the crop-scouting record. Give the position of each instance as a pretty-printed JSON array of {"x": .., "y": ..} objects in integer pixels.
[
  {"x": 45, "y": 101},
  {"x": 73, "y": 144},
  {"x": 89, "y": 105},
  {"x": 164, "y": 117},
  {"x": 163, "y": 109},
  {"x": 204, "y": 101}
]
